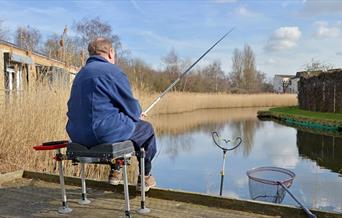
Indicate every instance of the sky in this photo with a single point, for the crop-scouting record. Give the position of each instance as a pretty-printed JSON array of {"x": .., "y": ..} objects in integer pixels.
[{"x": 284, "y": 35}]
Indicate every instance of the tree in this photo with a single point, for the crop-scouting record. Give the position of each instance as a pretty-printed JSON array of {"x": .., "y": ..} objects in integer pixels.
[
  {"x": 173, "y": 65},
  {"x": 316, "y": 65},
  {"x": 27, "y": 38},
  {"x": 214, "y": 77},
  {"x": 3, "y": 31},
  {"x": 64, "y": 48},
  {"x": 249, "y": 69},
  {"x": 244, "y": 75},
  {"x": 90, "y": 28},
  {"x": 237, "y": 72}
]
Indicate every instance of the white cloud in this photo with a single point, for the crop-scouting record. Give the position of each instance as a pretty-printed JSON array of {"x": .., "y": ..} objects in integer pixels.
[
  {"x": 270, "y": 61},
  {"x": 244, "y": 11},
  {"x": 283, "y": 38},
  {"x": 324, "y": 30}
]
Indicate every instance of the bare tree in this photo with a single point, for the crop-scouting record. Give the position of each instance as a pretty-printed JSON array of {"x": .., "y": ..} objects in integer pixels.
[
  {"x": 172, "y": 66},
  {"x": 52, "y": 47},
  {"x": 4, "y": 32},
  {"x": 90, "y": 28},
  {"x": 249, "y": 69},
  {"x": 64, "y": 48},
  {"x": 315, "y": 65},
  {"x": 237, "y": 72},
  {"x": 214, "y": 77},
  {"x": 244, "y": 75},
  {"x": 27, "y": 38}
]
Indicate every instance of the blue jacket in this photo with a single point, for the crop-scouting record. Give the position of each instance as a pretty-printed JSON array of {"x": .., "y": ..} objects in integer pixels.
[{"x": 101, "y": 108}]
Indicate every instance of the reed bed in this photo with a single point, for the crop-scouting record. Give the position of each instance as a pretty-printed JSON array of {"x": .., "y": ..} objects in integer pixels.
[
  {"x": 30, "y": 118},
  {"x": 178, "y": 102}
]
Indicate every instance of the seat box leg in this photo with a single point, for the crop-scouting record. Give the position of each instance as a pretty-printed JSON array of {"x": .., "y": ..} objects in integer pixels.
[
  {"x": 127, "y": 207},
  {"x": 142, "y": 209},
  {"x": 64, "y": 209},
  {"x": 84, "y": 199}
]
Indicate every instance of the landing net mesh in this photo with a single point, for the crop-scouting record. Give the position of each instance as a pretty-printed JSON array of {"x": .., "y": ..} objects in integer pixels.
[{"x": 264, "y": 183}]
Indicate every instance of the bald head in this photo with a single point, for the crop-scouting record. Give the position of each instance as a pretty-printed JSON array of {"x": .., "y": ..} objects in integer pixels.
[{"x": 102, "y": 46}]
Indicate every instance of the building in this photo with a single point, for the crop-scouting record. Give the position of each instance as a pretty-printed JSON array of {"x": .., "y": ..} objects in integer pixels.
[
  {"x": 285, "y": 83},
  {"x": 22, "y": 69}
]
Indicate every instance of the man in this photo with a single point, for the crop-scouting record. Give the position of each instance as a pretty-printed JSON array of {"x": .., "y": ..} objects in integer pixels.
[{"x": 102, "y": 109}]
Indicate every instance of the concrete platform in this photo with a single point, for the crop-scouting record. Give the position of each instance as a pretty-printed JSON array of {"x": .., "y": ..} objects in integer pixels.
[{"x": 31, "y": 194}]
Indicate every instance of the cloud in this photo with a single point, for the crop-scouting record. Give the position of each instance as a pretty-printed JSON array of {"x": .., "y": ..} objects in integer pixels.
[
  {"x": 244, "y": 11},
  {"x": 270, "y": 61},
  {"x": 339, "y": 53},
  {"x": 314, "y": 7},
  {"x": 324, "y": 30},
  {"x": 283, "y": 38}
]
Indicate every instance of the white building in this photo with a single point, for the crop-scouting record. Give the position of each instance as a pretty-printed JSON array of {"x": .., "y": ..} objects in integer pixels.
[{"x": 285, "y": 83}]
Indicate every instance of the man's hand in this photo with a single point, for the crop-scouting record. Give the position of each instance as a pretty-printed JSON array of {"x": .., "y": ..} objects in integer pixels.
[{"x": 143, "y": 115}]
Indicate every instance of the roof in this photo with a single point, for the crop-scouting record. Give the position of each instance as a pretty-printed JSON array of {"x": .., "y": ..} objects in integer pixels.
[{"x": 283, "y": 75}]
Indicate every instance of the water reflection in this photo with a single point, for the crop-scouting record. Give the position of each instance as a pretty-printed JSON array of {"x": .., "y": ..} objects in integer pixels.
[
  {"x": 325, "y": 150},
  {"x": 246, "y": 129},
  {"x": 242, "y": 121},
  {"x": 189, "y": 160}
]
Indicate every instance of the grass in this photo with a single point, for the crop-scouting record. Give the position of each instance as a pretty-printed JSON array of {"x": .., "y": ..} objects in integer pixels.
[
  {"x": 39, "y": 115},
  {"x": 294, "y": 110}
]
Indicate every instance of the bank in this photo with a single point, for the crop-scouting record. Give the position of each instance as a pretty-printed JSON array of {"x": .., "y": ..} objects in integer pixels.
[{"x": 294, "y": 116}]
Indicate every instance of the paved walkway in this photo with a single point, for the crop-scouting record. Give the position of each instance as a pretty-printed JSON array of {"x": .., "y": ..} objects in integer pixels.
[{"x": 34, "y": 198}]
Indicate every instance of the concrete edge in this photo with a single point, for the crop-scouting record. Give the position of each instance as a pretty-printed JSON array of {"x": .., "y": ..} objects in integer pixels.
[
  {"x": 7, "y": 177},
  {"x": 191, "y": 197}
]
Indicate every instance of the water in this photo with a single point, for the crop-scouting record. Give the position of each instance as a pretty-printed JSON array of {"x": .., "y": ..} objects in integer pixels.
[{"x": 189, "y": 160}]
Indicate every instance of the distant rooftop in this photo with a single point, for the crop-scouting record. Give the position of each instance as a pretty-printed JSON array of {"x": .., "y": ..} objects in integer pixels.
[{"x": 283, "y": 75}]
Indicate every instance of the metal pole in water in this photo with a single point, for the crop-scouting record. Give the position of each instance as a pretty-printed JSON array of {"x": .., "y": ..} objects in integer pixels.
[{"x": 222, "y": 171}]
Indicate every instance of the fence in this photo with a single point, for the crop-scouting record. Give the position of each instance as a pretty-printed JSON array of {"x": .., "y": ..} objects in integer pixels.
[{"x": 322, "y": 93}]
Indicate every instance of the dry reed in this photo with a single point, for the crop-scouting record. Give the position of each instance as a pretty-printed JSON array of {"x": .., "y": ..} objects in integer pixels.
[
  {"x": 30, "y": 118},
  {"x": 178, "y": 102}
]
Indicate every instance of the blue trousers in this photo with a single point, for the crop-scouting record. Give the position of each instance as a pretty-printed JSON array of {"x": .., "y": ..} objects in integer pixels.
[{"x": 143, "y": 136}]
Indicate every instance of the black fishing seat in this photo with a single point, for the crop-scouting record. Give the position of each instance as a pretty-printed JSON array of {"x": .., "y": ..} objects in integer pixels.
[
  {"x": 120, "y": 152},
  {"x": 102, "y": 153}
]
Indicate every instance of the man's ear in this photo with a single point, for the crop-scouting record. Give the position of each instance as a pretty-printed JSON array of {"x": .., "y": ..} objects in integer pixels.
[{"x": 111, "y": 55}]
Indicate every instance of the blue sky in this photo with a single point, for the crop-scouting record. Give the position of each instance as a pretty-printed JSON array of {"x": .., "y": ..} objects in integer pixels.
[{"x": 285, "y": 35}]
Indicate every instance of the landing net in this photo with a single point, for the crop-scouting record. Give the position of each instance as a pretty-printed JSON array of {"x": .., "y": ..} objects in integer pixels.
[{"x": 264, "y": 183}]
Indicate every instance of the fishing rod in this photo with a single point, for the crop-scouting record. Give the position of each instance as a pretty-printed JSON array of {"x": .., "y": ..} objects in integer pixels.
[{"x": 184, "y": 73}]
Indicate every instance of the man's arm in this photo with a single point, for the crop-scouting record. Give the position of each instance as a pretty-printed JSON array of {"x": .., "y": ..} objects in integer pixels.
[{"x": 122, "y": 97}]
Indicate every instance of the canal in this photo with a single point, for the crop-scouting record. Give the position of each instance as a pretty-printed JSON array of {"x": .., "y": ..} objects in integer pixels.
[{"x": 189, "y": 160}]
